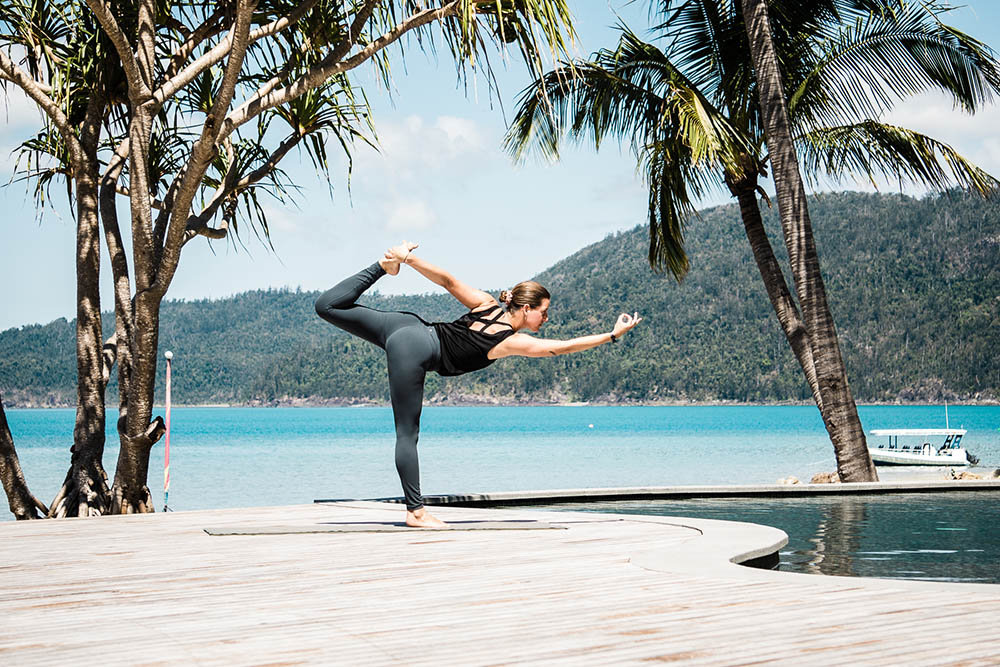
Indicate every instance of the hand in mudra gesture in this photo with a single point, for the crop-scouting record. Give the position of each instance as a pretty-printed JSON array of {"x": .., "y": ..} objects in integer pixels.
[{"x": 625, "y": 323}]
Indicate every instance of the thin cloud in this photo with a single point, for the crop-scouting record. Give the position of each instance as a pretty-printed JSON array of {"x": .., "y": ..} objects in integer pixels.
[
  {"x": 409, "y": 216},
  {"x": 972, "y": 135},
  {"x": 413, "y": 145},
  {"x": 280, "y": 220},
  {"x": 461, "y": 135},
  {"x": 20, "y": 120},
  {"x": 18, "y": 111}
]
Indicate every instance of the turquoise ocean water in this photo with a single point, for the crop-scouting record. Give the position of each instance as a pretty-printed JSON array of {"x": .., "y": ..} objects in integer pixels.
[{"x": 239, "y": 457}]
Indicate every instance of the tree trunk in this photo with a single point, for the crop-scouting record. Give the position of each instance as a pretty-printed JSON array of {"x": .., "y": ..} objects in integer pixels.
[
  {"x": 130, "y": 493},
  {"x": 840, "y": 413},
  {"x": 774, "y": 283},
  {"x": 22, "y": 504},
  {"x": 124, "y": 312},
  {"x": 85, "y": 489}
]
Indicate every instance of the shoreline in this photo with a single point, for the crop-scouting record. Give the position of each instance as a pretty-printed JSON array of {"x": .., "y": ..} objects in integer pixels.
[{"x": 363, "y": 403}]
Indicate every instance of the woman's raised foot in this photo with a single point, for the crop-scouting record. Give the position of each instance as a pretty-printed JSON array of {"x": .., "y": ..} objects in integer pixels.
[
  {"x": 421, "y": 518},
  {"x": 399, "y": 253},
  {"x": 389, "y": 264}
]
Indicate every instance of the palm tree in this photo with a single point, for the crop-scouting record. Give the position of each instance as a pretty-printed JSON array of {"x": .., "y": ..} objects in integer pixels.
[
  {"x": 840, "y": 414},
  {"x": 691, "y": 114},
  {"x": 180, "y": 107}
]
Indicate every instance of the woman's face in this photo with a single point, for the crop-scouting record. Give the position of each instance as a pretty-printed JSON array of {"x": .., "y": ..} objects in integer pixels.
[{"x": 534, "y": 318}]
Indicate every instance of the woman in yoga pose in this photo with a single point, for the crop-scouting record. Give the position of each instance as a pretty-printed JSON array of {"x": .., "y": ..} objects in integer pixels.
[{"x": 474, "y": 341}]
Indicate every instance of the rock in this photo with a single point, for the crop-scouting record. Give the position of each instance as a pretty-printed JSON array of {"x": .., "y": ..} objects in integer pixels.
[
  {"x": 996, "y": 473},
  {"x": 825, "y": 478},
  {"x": 963, "y": 474},
  {"x": 788, "y": 480}
]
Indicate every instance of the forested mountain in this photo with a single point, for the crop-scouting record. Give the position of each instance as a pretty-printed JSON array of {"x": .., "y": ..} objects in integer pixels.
[{"x": 914, "y": 286}]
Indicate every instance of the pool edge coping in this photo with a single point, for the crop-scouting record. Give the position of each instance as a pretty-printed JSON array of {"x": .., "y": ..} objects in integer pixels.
[{"x": 546, "y": 496}]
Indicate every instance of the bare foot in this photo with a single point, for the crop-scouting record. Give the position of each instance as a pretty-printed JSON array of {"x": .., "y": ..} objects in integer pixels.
[
  {"x": 395, "y": 255},
  {"x": 390, "y": 266},
  {"x": 421, "y": 518}
]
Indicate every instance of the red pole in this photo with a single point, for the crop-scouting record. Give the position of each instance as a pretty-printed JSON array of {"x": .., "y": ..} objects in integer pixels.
[{"x": 166, "y": 454}]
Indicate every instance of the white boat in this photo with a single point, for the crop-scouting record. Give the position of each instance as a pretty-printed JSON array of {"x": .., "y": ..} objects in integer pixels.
[{"x": 920, "y": 446}]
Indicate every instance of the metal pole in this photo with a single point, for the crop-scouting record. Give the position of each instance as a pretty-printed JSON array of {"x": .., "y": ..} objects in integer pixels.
[{"x": 166, "y": 454}]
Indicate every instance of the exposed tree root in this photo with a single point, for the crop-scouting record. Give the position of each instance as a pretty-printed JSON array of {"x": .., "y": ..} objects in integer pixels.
[
  {"x": 84, "y": 492},
  {"x": 127, "y": 501},
  {"x": 130, "y": 493}
]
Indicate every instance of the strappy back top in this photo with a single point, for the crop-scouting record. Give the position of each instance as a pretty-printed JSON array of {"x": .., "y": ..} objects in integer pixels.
[{"x": 465, "y": 343}]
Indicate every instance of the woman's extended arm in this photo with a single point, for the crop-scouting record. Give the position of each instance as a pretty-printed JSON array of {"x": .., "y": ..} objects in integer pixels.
[
  {"x": 522, "y": 345},
  {"x": 469, "y": 296}
]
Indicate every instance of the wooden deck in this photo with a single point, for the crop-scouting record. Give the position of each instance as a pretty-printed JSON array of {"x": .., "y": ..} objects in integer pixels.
[{"x": 600, "y": 589}]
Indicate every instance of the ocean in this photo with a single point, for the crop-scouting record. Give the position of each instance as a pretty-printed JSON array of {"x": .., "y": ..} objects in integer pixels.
[{"x": 241, "y": 457}]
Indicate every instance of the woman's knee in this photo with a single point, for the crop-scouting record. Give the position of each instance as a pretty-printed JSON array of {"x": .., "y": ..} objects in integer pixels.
[
  {"x": 325, "y": 305},
  {"x": 408, "y": 432}
]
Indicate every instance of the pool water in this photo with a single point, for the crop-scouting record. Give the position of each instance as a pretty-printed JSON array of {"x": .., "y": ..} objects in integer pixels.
[{"x": 926, "y": 536}]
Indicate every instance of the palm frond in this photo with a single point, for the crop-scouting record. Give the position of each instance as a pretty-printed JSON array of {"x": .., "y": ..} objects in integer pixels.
[
  {"x": 682, "y": 142},
  {"x": 696, "y": 31},
  {"x": 332, "y": 111},
  {"x": 889, "y": 55},
  {"x": 878, "y": 150},
  {"x": 44, "y": 159},
  {"x": 632, "y": 93}
]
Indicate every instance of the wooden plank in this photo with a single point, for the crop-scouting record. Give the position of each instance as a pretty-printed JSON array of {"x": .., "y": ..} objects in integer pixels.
[{"x": 160, "y": 590}]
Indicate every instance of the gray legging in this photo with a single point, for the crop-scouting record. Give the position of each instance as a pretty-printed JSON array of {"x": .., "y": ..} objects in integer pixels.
[{"x": 411, "y": 348}]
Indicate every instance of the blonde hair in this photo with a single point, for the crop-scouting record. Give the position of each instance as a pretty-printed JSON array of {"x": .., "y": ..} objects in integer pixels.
[{"x": 526, "y": 293}]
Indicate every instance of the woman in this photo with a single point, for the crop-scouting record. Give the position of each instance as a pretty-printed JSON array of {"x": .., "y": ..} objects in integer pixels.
[{"x": 474, "y": 341}]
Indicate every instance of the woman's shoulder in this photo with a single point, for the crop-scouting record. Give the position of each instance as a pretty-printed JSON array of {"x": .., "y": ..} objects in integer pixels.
[{"x": 492, "y": 304}]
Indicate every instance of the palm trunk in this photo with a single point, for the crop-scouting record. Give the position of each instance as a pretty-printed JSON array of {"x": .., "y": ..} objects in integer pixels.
[
  {"x": 777, "y": 290},
  {"x": 138, "y": 432},
  {"x": 85, "y": 490},
  {"x": 840, "y": 413},
  {"x": 123, "y": 299},
  {"x": 130, "y": 493},
  {"x": 22, "y": 504}
]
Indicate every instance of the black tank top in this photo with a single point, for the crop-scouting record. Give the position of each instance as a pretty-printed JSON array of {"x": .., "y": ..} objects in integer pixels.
[{"x": 464, "y": 350}]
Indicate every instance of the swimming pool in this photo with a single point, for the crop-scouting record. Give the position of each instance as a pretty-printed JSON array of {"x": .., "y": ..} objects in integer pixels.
[{"x": 927, "y": 536}]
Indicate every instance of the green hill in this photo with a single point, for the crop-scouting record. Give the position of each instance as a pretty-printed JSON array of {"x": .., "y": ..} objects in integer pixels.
[{"x": 914, "y": 285}]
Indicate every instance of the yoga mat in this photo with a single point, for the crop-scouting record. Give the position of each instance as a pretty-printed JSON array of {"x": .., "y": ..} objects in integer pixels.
[{"x": 379, "y": 527}]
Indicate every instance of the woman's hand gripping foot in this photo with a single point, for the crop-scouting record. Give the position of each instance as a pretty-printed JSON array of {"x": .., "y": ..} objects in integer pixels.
[
  {"x": 395, "y": 256},
  {"x": 421, "y": 518}
]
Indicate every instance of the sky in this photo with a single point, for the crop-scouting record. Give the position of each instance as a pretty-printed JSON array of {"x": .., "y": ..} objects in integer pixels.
[{"x": 440, "y": 178}]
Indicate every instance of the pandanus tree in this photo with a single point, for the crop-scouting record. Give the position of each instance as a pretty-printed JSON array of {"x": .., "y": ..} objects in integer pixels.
[
  {"x": 691, "y": 113},
  {"x": 186, "y": 109}
]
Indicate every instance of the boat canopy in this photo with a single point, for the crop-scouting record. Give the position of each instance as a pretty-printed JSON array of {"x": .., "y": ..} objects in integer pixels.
[{"x": 918, "y": 431}]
